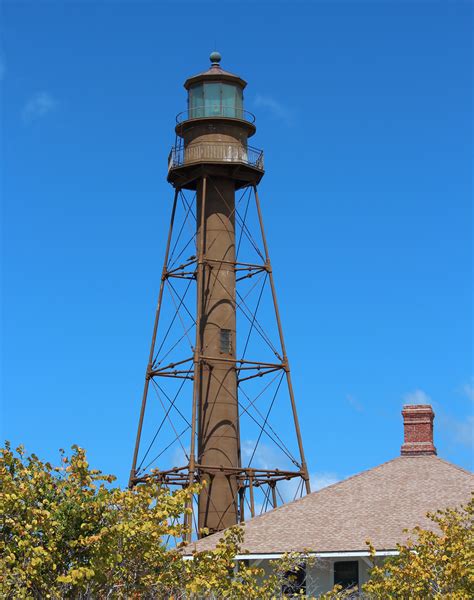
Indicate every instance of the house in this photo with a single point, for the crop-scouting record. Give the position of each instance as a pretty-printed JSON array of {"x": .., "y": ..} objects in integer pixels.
[{"x": 377, "y": 505}]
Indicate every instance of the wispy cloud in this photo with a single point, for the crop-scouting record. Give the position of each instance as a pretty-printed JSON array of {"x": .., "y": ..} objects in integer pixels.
[
  {"x": 460, "y": 431},
  {"x": 179, "y": 456},
  {"x": 354, "y": 403},
  {"x": 464, "y": 431},
  {"x": 275, "y": 108},
  {"x": 38, "y": 106},
  {"x": 468, "y": 389},
  {"x": 265, "y": 457},
  {"x": 291, "y": 490},
  {"x": 417, "y": 397},
  {"x": 321, "y": 480}
]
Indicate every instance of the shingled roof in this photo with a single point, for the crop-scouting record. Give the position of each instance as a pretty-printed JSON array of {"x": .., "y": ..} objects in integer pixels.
[{"x": 377, "y": 504}]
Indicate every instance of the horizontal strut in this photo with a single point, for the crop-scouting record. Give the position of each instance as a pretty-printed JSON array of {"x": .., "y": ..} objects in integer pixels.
[{"x": 180, "y": 475}]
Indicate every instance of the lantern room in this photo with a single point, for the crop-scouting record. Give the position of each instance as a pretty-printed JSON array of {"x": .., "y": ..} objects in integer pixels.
[
  {"x": 209, "y": 99},
  {"x": 216, "y": 93}
]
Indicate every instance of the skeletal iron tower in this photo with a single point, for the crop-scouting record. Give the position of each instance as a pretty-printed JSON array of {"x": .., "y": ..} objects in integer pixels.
[{"x": 228, "y": 438}]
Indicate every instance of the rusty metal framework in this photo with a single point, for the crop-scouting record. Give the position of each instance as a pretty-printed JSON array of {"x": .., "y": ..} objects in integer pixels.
[{"x": 166, "y": 445}]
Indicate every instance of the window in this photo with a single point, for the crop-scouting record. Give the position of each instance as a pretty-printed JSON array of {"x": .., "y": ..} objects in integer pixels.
[
  {"x": 215, "y": 100},
  {"x": 295, "y": 582},
  {"x": 196, "y": 101},
  {"x": 226, "y": 341},
  {"x": 346, "y": 573},
  {"x": 239, "y": 103},
  {"x": 230, "y": 96},
  {"x": 212, "y": 99}
]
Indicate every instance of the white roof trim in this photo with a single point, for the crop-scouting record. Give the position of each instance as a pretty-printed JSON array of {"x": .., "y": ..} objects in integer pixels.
[
  {"x": 350, "y": 554},
  {"x": 275, "y": 555}
]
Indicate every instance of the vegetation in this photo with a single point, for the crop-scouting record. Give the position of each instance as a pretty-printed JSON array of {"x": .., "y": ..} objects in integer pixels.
[
  {"x": 436, "y": 564},
  {"x": 66, "y": 532}
]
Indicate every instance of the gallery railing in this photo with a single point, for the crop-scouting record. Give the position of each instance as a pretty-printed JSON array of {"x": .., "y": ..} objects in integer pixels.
[
  {"x": 210, "y": 111},
  {"x": 215, "y": 152}
]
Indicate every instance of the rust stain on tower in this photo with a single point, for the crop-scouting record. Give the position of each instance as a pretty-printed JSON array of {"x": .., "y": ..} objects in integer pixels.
[{"x": 213, "y": 161}]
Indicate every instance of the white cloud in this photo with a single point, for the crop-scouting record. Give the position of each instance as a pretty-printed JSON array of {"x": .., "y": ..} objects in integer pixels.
[
  {"x": 276, "y": 109},
  {"x": 461, "y": 431},
  {"x": 318, "y": 480},
  {"x": 417, "y": 397},
  {"x": 180, "y": 456},
  {"x": 321, "y": 480},
  {"x": 464, "y": 431},
  {"x": 38, "y": 106},
  {"x": 265, "y": 456}
]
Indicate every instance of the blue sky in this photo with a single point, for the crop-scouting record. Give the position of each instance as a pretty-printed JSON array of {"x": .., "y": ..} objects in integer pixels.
[{"x": 364, "y": 111}]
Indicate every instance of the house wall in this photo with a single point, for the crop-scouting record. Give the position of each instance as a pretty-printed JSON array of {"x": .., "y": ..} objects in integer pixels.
[{"x": 320, "y": 575}]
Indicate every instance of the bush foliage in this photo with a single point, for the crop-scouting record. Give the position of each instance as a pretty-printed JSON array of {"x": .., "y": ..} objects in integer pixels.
[{"x": 67, "y": 532}]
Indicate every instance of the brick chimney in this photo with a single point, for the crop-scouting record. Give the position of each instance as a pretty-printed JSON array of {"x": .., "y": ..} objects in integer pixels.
[{"x": 418, "y": 430}]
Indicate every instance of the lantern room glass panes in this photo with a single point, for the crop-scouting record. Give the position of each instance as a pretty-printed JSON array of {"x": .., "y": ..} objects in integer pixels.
[
  {"x": 229, "y": 101},
  {"x": 196, "y": 101},
  {"x": 215, "y": 100},
  {"x": 212, "y": 100}
]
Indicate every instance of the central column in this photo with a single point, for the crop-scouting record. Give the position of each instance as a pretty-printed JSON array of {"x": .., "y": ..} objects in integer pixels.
[{"x": 218, "y": 417}]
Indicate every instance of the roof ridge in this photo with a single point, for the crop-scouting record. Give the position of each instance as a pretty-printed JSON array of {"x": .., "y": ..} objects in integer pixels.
[
  {"x": 447, "y": 462},
  {"x": 350, "y": 477},
  {"x": 387, "y": 462}
]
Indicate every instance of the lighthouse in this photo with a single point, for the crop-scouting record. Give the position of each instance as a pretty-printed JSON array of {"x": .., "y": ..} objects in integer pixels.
[{"x": 213, "y": 161}]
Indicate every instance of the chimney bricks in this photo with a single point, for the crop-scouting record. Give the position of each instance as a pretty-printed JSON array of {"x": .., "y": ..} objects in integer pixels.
[{"x": 418, "y": 430}]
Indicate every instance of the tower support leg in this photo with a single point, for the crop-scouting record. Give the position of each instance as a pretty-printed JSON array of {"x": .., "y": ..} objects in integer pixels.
[
  {"x": 133, "y": 470},
  {"x": 304, "y": 468}
]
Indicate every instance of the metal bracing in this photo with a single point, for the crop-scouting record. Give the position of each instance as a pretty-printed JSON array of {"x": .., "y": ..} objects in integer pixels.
[
  {"x": 152, "y": 347},
  {"x": 166, "y": 447}
]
